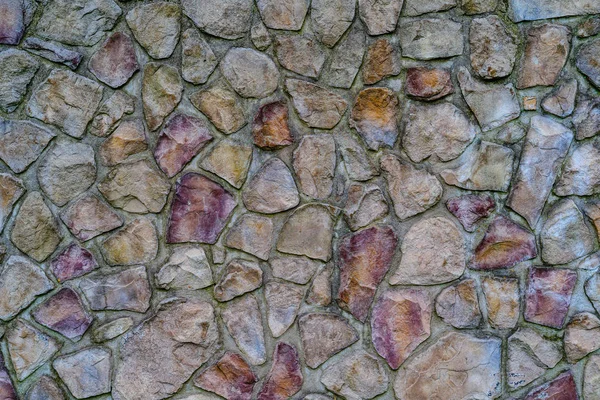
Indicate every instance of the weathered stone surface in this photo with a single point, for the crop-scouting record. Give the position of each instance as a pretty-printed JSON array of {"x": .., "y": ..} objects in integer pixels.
[
  {"x": 315, "y": 105},
  {"x": 29, "y": 348},
  {"x": 229, "y": 159},
  {"x": 67, "y": 170},
  {"x": 365, "y": 205},
  {"x": 440, "y": 130},
  {"x": 136, "y": 243},
  {"x": 545, "y": 148},
  {"x": 283, "y": 14},
  {"x": 7, "y": 389},
  {"x": 64, "y": 313},
  {"x": 429, "y": 38},
  {"x": 323, "y": 335},
  {"x": 294, "y": 268},
  {"x": 588, "y": 61},
  {"x": 493, "y": 48},
  {"x": 110, "y": 113},
  {"x": 502, "y": 301},
  {"x": 591, "y": 379},
  {"x": 243, "y": 320},
  {"x": 185, "y": 331},
  {"x": 380, "y": 17},
  {"x": 186, "y": 268},
  {"x": 11, "y": 190},
  {"x": 592, "y": 290},
  {"x": 198, "y": 61},
  {"x": 17, "y": 69},
  {"x": 111, "y": 329},
  {"x": 582, "y": 336},
  {"x": 53, "y": 52},
  {"x": 531, "y": 10},
  {"x": 357, "y": 376},
  {"x": 17, "y": 14},
  {"x": 161, "y": 92},
  {"x": 330, "y": 19},
  {"x": 49, "y": 101},
  {"x": 115, "y": 61},
  {"x": 374, "y": 116},
  {"x": 458, "y": 305},
  {"x": 561, "y": 102},
  {"x": 548, "y": 296},
  {"x": 358, "y": 165},
  {"x": 412, "y": 190},
  {"x": 545, "y": 55},
  {"x": 381, "y": 61},
  {"x": 428, "y": 84},
  {"x": 511, "y": 133},
  {"x": 314, "y": 163},
  {"x": 283, "y": 301},
  {"x": 230, "y": 377},
  {"x": 413, "y": 8},
  {"x": 87, "y": 372},
  {"x": 228, "y": 19},
  {"x": 45, "y": 389},
  {"x": 586, "y": 118},
  {"x": 319, "y": 293},
  {"x": 270, "y": 128},
  {"x": 253, "y": 234},
  {"x": 299, "y": 54},
  {"x": 261, "y": 39},
  {"x": 364, "y": 259},
  {"x": 221, "y": 107},
  {"x": 35, "y": 231},
  {"x": 562, "y": 387},
  {"x": 250, "y": 73},
  {"x": 73, "y": 262},
  {"x": 128, "y": 139},
  {"x": 588, "y": 27},
  {"x": 156, "y": 27},
  {"x": 125, "y": 290},
  {"x": 433, "y": 252},
  {"x": 22, "y": 142},
  {"x": 238, "y": 277},
  {"x": 469, "y": 209},
  {"x": 345, "y": 60},
  {"x": 308, "y": 232},
  {"x": 77, "y": 22},
  {"x": 199, "y": 210},
  {"x": 285, "y": 376},
  {"x": 89, "y": 217},
  {"x": 136, "y": 187},
  {"x": 272, "y": 189}
]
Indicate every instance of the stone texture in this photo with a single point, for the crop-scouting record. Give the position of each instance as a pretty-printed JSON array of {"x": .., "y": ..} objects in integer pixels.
[
  {"x": 270, "y": 128},
  {"x": 86, "y": 373},
  {"x": 128, "y": 139},
  {"x": 561, "y": 102},
  {"x": 379, "y": 17},
  {"x": 285, "y": 376},
  {"x": 365, "y": 205},
  {"x": 294, "y": 269},
  {"x": 198, "y": 61},
  {"x": 125, "y": 290},
  {"x": 249, "y": 72},
  {"x": 64, "y": 313},
  {"x": 11, "y": 190},
  {"x": 272, "y": 189},
  {"x": 29, "y": 348},
  {"x": 592, "y": 290},
  {"x": 579, "y": 174},
  {"x": 548, "y": 296},
  {"x": 428, "y": 84},
  {"x": 239, "y": 277},
  {"x": 17, "y": 69},
  {"x": 17, "y": 15},
  {"x": 588, "y": 27},
  {"x": 458, "y": 305},
  {"x": 374, "y": 116},
  {"x": 161, "y": 92},
  {"x": 586, "y": 118},
  {"x": 493, "y": 48},
  {"x": 261, "y": 39},
  {"x": 221, "y": 107},
  {"x": 582, "y": 336},
  {"x": 156, "y": 27},
  {"x": 563, "y": 386},
  {"x": 7, "y": 389},
  {"x": 110, "y": 114},
  {"x": 381, "y": 61},
  {"x": 429, "y": 38},
  {"x": 413, "y": 8},
  {"x": 315, "y": 105},
  {"x": 22, "y": 142},
  {"x": 72, "y": 262},
  {"x": 591, "y": 382},
  {"x": 345, "y": 60},
  {"x": 253, "y": 234},
  {"x": 308, "y": 232},
  {"x": 187, "y": 268},
  {"x": 531, "y": 10},
  {"x": 229, "y": 159},
  {"x": 587, "y": 61},
  {"x": 53, "y": 52},
  {"x": 283, "y": 301},
  {"x": 89, "y": 217},
  {"x": 330, "y": 19},
  {"x": 136, "y": 243},
  {"x": 45, "y": 389},
  {"x": 115, "y": 61},
  {"x": 356, "y": 161},
  {"x": 299, "y": 54},
  {"x": 283, "y": 14},
  {"x": 228, "y": 19},
  {"x": 230, "y": 377},
  {"x": 357, "y": 376},
  {"x": 243, "y": 321},
  {"x": 314, "y": 163},
  {"x": 469, "y": 209},
  {"x": 111, "y": 329},
  {"x": 502, "y": 299},
  {"x": 319, "y": 293}
]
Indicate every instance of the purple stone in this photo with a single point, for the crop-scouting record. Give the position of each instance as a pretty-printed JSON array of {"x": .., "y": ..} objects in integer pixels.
[
  {"x": 470, "y": 209},
  {"x": 115, "y": 62},
  {"x": 7, "y": 390},
  {"x": 74, "y": 261},
  {"x": 285, "y": 377},
  {"x": 14, "y": 16},
  {"x": 548, "y": 296},
  {"x": 64, "y": 313},
  {"x": 563, "y": 387}
]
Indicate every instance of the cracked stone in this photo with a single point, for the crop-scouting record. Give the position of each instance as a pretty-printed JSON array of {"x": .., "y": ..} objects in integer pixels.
[
  {"x": 230, "y": 377},
  {"x": 357, "y": 376},
  {"x": 381, "y": 62},
  {"x": 230, "y": 160},
  {"x": 271, "y": 128},
  {"x": 563, "y": 386},
  {"x": 228, "y": 19},
  {"x": 365, "y": 205},
  {"x": 125, "y": 290},
  {"x": 374, "y": 116},
  {"x": 22, "y": 142},
  {"x": 63, "y": 312},
  {"x": 592, "y": 290},
  {"x": 110, "y": 114},
  {"x": 156, "y": 27},
  {"x": 428, "y": 84},
  {"x": 89, "y": 217},
  {"x": 272, "y": 189},
  {"x": 308, "y": 232},
  {"x": 469, "y": 209},
  {"x": 379, "y": 17},
  {"x": 53, "y": 52},
  {"x": 493, "y": 48},
  {"x": 17, "y": 69},
  {"x": 458, "y": 305},
  {"x": 315, "y": 105},
  {"x": 314, "y": 162},
  {"x": 531, "y": 10},
  {"x": 115, "y": 61},
  {"x": 358, "y": 165},
  {"x": 331, "y": 19},
  {"x": 17, "y": 14},
  {"x": 283, "y": 14},
  {"x": 112, "y": 329},
  {"x": 161, "y": 92},
  {"x": 586, "y": 118},
  {"x": 187, "y": 268},
  {"x": 45, "y": 389},
  {"x": 243, "y": 321},
  {"x": 345, "y": 60},
  {"x": 428, "y": 39},
  {"x": 136, "y": 243},
  {"x": 86, "y": 373},
  {"x": 11, "y": 190},
  {"x": 128, "y": 139},
  {"x": 261, "y": 39},
  {"x": 238, "y": 277},
  {"x": 588, "y": 61},
  {"x": 198, "y": 61},
  {"x": 413, "y": 8},
  {"x": 72, "y": 262},
  {"x": 561, "y": 102},
  {"x": 319, "y": 293},
  {"x": 283, "y": 302},
  {"x": 548, "y": 296},
  {"x": 502, "y": 299},
  {"x": 294, "y": 268},
  {"x": 299, "y": 54},
  {"x": 285, "y": 376},
  {"x": 252, "y": 234},
  {"x": 250, "y": 73},
  {"x": 221, "y": 107},
  {"x": 582, "y": 336},
  {"x": 29, "y": 348}
]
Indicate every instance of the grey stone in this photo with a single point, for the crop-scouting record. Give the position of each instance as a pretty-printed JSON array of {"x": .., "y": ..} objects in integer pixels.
[
  {"x": 581, "y": 171},
  {"x": 561, "y": 102},
  {"x": 357, "y": 376},
  {"x": 458, "y": 305},
  {"x": 112, "y": 329},
  {"x": 86, "y": 372},
  {"x": 511, "y": 133},
  {"x": 243, "y": 320},
  {"x": 45, "y": 389},
  {"x": 17, "y": 69},
  {"x": 314, "y": 163},
  {"x": 323, "y": 335},
  {"x": 365, "y": 205},
  {"x": 493, "y": 48},
  {"x": 250, "y": 73},
  {"x": 228, "y": 19},
  {"x": 294, "y": 268},
  {"x": 29, "y": 348},
  {"x": 156, "y": 27},
  {"x": 315, "y": 105},
  {"x": 379, "y": 17},
  {"x": 53, "y": 52},
  {"x": 162, "y": 88},
  {"x": 125, "y": 290},
  {"x": 17, "y": 15},
  {"x": 345, "y": 61},
  {"x": 531, "y": 10},
  {"x": 261, "y": 39},
  {"x": 331, "y": 18},
  {"x": 22, "y": 142},
  {"x": 591, "y": 379},
  {"x": 428, "y": 39},
  {"x": 187, "y": 268},
  {"x": 238, "y": 277},
  {"x": 358, "y": 165},
  {"x": 198, "y": 61},
  {"x": 413, "y": 8},
  {"x": 11, "y": 190},
  {"x": 110, "y": 113},
  {"x": 253, "y": 234},
  {"x": 283, "y": 14},
  {"x": 588, "y": 27},
  {"x": 272, "y": 189},
  {"x": 320, "y": 293},
  {"x": 582, "y": 336},
  {"x": 299, "y": 54},
  {"x": 588, "y": 61},
  {"x": 283, "y": 302},
  {"x": 586, "y": 118}
]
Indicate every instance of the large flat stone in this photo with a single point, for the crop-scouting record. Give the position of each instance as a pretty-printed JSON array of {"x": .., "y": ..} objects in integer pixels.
[
  {"x": 431, "y": 38},
  {"x": 228, "y": 19},
  {"x": 531, "y": 10}
]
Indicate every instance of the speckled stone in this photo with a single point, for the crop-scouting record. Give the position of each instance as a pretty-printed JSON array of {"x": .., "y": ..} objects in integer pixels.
[
  {"x": 11, "y": 190},
  {"x": 314, "y": 162},
  {"x": 299, "y": 54},
  {"x": 379, "y": 17},
  {"x": 283, "y": 14},
  {"x": 357, "y": 376},
  {"x": 562, "y": 387},
  {"x": 381, "y": 61},
  {"x": 493, "y": 48},
  {"x": 587, "y": 61},
  {"x": 330, "y": 19},
  {"x": 17, "y": 15},
  {"x": 295, "y": 269},
  {"x": 198, "y": 61},
  {"x": 22, "y": 142},
  {"x": 86, "y": 372},
  {"x": 431, "y": 38},
  {"x": 17, "y": 69},
  {"x": 458, "y": 305}
]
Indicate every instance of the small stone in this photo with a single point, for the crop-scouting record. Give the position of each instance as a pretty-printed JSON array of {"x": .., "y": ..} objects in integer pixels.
[
  {"x": 111, "y": 329},
  {"x": 253, "y": 234},
  {"x": 358, "y": 165},
  {"x": 128, "y": 139},
  {"x": 161, "y": 92},
  {"x": 228, "y": 19},
  {"x": 250, "y": 73},
  {"x": 433, "y": 252},
  {"x": 198, "y": 61},
  {"x": 86, "y": 373},
  {"x": 272, "y": 189},
  {"x": 511, "y": 133},
  {"x": 7, "y": 389},
  {"x": 400, "y": 322},
  {"x": 345, "y": 61},
  {"x": 364, "y": 259},
  {"x": 365, "y": 205},
  {"x": 531, "y": 10},
  {"x": 115, "y": 61},
  {"x": 319, "y": 293},
  {"x": 315, "y": 105},
  {"x": 582, "y": 336},
  {"x": 53, "y": 52},
  {"x": 270, "y": 128},
  {"x": 243, "y": 320},
  {"x": 548, "y": 296},
  {"x": 89, "y": 217},
  {"x": 545, "y": 55},
  {"x": 586, "y": 118},
  {"x": 63, "y": 312},
  {"x": 428, "y": 39},
  {"x": 493, "y": 105},
  {"x": 285, "y": 376},
  {"x": 357, "y": 376},
  {"x": 156, "y": 27},
  {"x": 17, "y": 14},
  {"x": 294, "y": 268},
  {"x": 331, "y": 19},
  {"x": 77, "y": 22},
  {"x": 502, "y": 301},
  {"x": 261, "y": 39},
  {"x": 199, "y": 210},
  {"x": 21, "y": 143},
  {"x": 493, "y": 48},
  {"x": 441, "y": 130},
  {"x": 229, "y": 159},
  {"x": 48, "y": 102},
  {"x": 136, "y": 187},
  {"x": 299, "y": 54},
  {"x": 374, "y": 116},
  {"x": 562, "y": 387},
  {"x": 591, "y": 377},
  {"x": 29, "y": 348},
  {"x": 72, "y": 262},
  {"x": 545, "y": 148},
  {"x": 110, "y": 114},
  {"x": 413, "y": 8},
  {"x": 283, "y": 14},
  {"x": 469, "y": 209},
  {"x": 379, "y": 17},
  {"x": 381, "y": 62},
  {"x": 589, "y": 27},
  {"x": 221, "y": 107},
  {"x": 239, "y": 277},
  {"x": 11, "y": 190},
  {"x": 136, "y": 243},
  {"x": 561, "y": 102},
  {"x": 458, "y": 305},
  {"x": 230, "y": 377},
  {"x": 125, "y": 290},
  {"x": 530, "y": 103},
  {"x": 45, "y": 389},
  {"x": 314, "y": 162},
  {"x": 428, "y": 84},
  {"x": 17, "y": 69},
  {"x": 67, "y": 170},
  {"x": 283, "y": 301},
  {"x": 187, "y": 268},
  {"x": 323, "y": 335},
  {"x": 308, "y": 232},
  {"x": 35, "y": 231},
  {"x": 412, "y": 190}
]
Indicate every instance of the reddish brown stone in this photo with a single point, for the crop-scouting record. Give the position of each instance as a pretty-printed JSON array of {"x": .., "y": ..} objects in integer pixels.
[
  {"x": 74, "y": 261},
  {"x": 548, "y": 296},
  {"x": 470, "y": 209},
  {"x": 64, "y": 313},
  {"x": 199, "y": 210},
  {"x": 230, "y": 377},
  {"x": 365, "y": 257},
  {"x": 285, "y": 377},
  {"x": 381, "y": 61},
  {"x": 561, "y": 388},
  {"x": 270, "y": 128},
  {"x": 428, "y": 84},
  {"x": 115, "y": 62},
  {"x": 7, "y": 390},
  {"x": 505, "y": 244}
]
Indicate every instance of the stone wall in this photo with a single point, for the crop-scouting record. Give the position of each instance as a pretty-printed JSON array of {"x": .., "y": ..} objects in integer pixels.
[{"x": 286, "y": 199}]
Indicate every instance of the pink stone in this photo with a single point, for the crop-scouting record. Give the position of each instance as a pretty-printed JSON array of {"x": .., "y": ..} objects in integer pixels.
[
  {"x": 285, "y": 377},
  {"x": 365, "y": 257},
  {"x": 561, "y": 388},
  {"x": 505, "y": 244},
  {"x": 548, "y": 296},
  {"x": 7, "y": 390},
  {"x": 12, "y": 26},
  {"x": 470, "y": 209},
  {"x": 74, "y": 261},
  {"x": 199, "y": 210},
  {"x": 115, "y": 61},
  {"x": 180, "y": 140},
  {"x": 231, "y": 377},
  {"x": 428, "y": 84},
  {"x": 64, "y": 313}
]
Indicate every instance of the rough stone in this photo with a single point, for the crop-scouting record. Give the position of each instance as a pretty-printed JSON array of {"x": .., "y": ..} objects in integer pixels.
[
  {"x": 252, "y": 234},
  {"x": 586, "y": 118},
  {"x": 283, "y": 301},
  {"x": 161, "y": 92},
  {"x": 308, "y": 232},
  {"x": 319, "y": 293},
  {"x": 125, "y": 290},
  {"x": 22, "y": 142},
  {"x": 239, "y": 277},
  {"x": 72, "y": 262},
  {"x": 115, "y": 61},
  {"x": 136, "y": 243},
  {"x": 53, "y": 52},
  {"x": 511, "y": 133},
  {"x": 374, "y": 116},
  {"x": 128, "y": 139},
  {"x": 531, "y": 10},
  {"x": 29, "y": 348},
  {"x": 45, "y": 388},
  {"x": 261, "y": 39},
  {"x": 588, "y": 27},
  {"x": 592, "y": 290},
  {"x": 17, "y": 69},
  {"x": 582, "y": 336},
  {"x": 428, "y": 84},
  {"x": 11, "y": 190},
  {"x": 63, "y": 312},
  {"x": 365, "y": 205},
  {"x": 358, "y": 165},
  {"x": 429, "y": 38},
  {"x": 228, "y": 19},
  {"x": 357, "y": 376},
  {"x": 315, "y": 105},
  {"x": 561, "y": 102},
  {"x": 591, "y": 379},
  {"x": 86, "y": 373},
  {"x": 285, "y": 376},
  {"x": 588, "y": 60},
  {"x": 198, "y": 61},
  {"x": 17, "y": 14},
  {"x": 379, "y": 17},
  {"x": 413, "y": 8},
  {"x": 111, "y": 329},
  {"x": 314, "y": 162},
  {"x": 221, "y": 107},
  {"x": 563, "y": 386},
  {"x": 156, "y": 27},
  {"x": 294, "y": 268},
  {"x": 458, "y": 305},
  {"x": 299, "y": 54},
  {"x": 502, "y": 299},
  {"x": 381, "y": 61},
  {"x": 229, "y": 159},
  {"x": 469, "y": 209},
  {"x": 110, "y": 114},
  {"x": 270, "y": 128},
  {"x": 493, "y": 48},
  {"x": 250, "y": 73},
  {"x": 7, "y": 389},
  {"x": 230, "y": 377},
  {"x": 272, "y": 189},
  {"x": 331, "y": 19},
  {"x": 243, "y": 320},
  {"x": 283, "y": 14},
  {"x": 548, "y": 296},
  {"x": 345, "y": 60},
  {"x": 187, "y": 268},
  {"x": 89, "y": 217}
]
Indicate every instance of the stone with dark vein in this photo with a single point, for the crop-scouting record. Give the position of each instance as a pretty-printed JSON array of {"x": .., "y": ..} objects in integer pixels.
[
  {"x": 561, "y": 102},
  {"x": 230, "y": 377},
  {"x": 561, "y": 387},
  {"x": 110, "y": 113},
  {"x": 366, "y": 204},
  {"x": 17, "y": 69}
]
